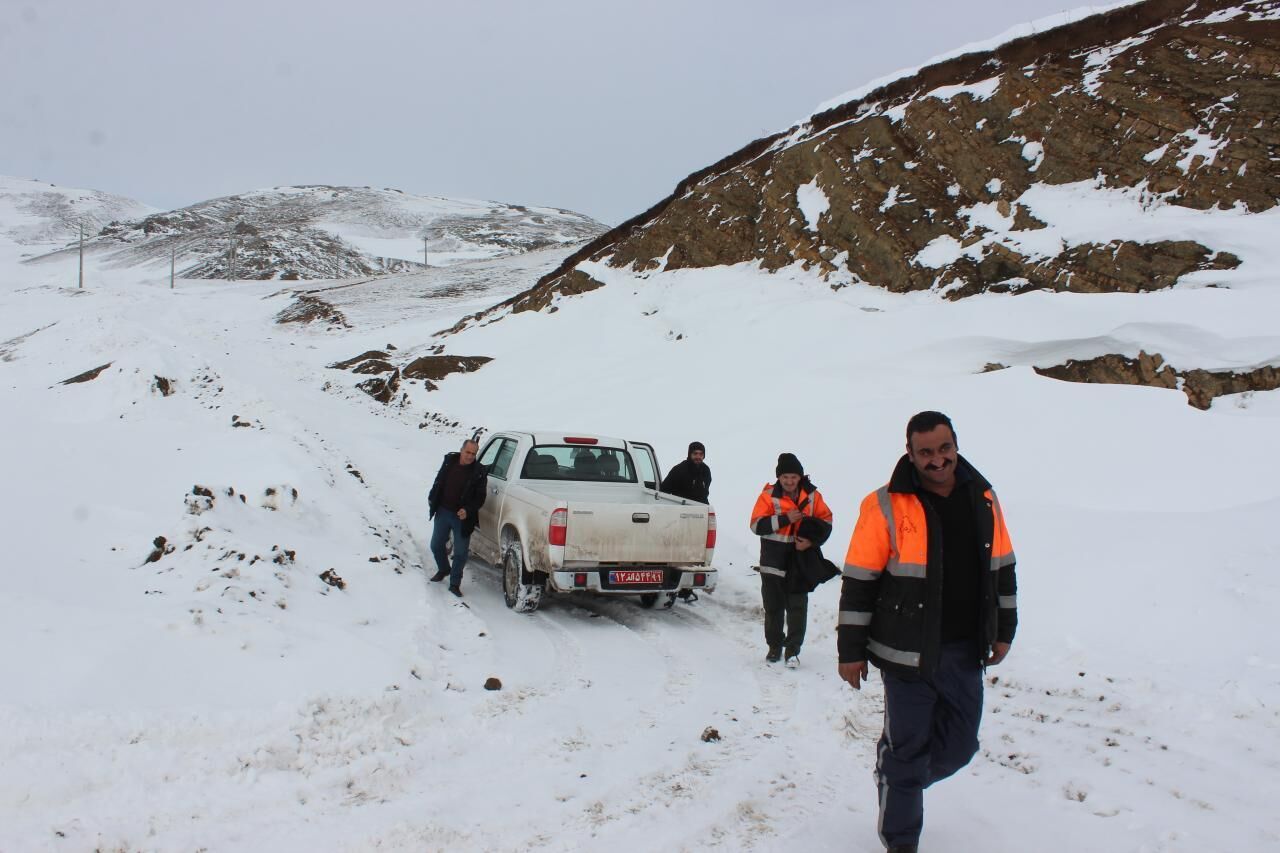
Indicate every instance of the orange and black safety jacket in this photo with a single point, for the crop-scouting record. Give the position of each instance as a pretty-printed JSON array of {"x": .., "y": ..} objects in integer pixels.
[
  {"x": 777, "y": 534},
  {"x": 891, "y": 596}
]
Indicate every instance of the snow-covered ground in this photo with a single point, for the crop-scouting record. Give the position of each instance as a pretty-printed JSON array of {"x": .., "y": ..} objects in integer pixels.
[{"x": 225, "y": 697}]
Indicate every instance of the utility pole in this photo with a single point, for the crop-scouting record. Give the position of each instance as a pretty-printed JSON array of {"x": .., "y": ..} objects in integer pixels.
[
  {"x": 82, "y": 254},
  {"x": 173, "y": 259},
  {"x": 426, "y": 262}
]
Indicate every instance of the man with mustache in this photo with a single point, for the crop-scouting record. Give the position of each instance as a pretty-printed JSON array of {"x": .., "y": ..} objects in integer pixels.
[{"x": 930, "y": 597}]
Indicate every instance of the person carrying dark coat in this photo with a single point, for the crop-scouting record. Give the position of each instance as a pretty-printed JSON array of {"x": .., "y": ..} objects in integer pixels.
[
  {"x": 807, "y": 568},
  {"x": 776, "y": 518},
  {"x": 454, "y": 503},
  {"x": 690, "y": 479}
]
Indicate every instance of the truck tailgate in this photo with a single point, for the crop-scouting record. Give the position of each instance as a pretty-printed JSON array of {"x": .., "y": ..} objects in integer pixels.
[{"x": 659, "y": 532}]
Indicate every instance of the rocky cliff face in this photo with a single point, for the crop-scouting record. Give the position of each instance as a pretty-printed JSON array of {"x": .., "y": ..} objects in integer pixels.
[{"x": 940, "y": 179}]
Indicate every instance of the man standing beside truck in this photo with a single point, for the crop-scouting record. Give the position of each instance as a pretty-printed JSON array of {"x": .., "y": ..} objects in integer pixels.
[
  {"x": 454, "y": 503},
  {"x": 776, "y": 520},
  {"x": 690, "y": 479}
]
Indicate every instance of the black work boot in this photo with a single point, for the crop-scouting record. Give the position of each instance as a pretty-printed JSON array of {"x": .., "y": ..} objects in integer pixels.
[
  {"x": 905, "y": 848},
  {"x": 456, "y": 590},
  {"x": 440, "y": 575},
  {"x": 775, "y": 654}
]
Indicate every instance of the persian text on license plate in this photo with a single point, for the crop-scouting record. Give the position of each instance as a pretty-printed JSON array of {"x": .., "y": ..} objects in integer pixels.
[{"x": 636, "y": 576}]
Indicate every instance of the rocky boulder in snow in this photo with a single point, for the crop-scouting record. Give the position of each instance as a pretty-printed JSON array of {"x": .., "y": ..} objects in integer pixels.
[{"x": 1150, "y": 369}]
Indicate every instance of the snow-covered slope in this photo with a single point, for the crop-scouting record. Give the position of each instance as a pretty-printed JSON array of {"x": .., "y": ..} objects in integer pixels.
[
  {"x": 36, "y": 217},
  {"x": 219, "y": 634},
  {"x": 314, "y": 232},
  {"x": 225, "y": 696}
]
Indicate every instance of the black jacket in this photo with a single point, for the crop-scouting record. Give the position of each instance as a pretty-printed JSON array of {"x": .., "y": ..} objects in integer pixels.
[
  {"x": 689, "y": 480},
  {"x": 896, "y": 621},
  {"x": 473, "y": 493},
  {"x": 807, "y": 569}
]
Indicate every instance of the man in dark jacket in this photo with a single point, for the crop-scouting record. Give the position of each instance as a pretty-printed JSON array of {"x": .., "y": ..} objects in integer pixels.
[
  {"x": 930, "y": 597},
  {"x": 454, "y": 503},
  {"x": 690, "y": 479}
]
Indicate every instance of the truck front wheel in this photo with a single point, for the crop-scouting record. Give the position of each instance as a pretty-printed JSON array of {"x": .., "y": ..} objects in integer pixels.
[{"x": 519, "y": 594}]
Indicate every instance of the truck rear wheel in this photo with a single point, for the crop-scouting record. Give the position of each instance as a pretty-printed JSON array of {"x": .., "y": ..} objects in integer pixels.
[{"x": 518, "y": 592}]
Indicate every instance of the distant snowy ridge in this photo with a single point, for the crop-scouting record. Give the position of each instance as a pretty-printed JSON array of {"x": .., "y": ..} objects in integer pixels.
[
  {"x": 325, "y": 232},
  {"x": 36, "y": 216}
]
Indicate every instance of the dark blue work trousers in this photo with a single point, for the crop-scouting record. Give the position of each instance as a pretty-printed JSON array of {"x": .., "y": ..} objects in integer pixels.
[
  {"x": 930, "y": 732},
  {"x": 446, "y": 523}
]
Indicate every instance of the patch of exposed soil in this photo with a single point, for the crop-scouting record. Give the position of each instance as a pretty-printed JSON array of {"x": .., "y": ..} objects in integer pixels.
[
  {"x": 437, "y": 367},
  {"x": 364, "y": 356},
  {"x": 307, "y": 308},
  {"x": 87, "y": 376}
]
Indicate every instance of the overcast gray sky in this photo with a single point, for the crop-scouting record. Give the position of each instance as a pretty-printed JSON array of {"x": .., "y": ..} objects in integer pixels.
[{"x": 592, "y": 105}]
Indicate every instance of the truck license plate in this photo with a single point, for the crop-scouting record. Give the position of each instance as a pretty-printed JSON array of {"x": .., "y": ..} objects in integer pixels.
[{"x": 636, "y": 576}]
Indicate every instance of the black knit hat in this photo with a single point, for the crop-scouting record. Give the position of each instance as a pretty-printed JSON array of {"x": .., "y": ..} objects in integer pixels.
[
  {"x": 789, "y": 464},
  {"x": 695, "y": 445},
  {"x": 815, "y": 530}
]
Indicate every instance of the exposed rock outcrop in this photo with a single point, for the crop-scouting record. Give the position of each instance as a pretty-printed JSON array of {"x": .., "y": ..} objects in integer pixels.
[
  {"x": 87, "y": 376},
  {"x": 437, "y": 367},
  {"x": 1149, "y": 369},
  {"x": 307, "y": 308},
  {"x": 430, "y": 369}
]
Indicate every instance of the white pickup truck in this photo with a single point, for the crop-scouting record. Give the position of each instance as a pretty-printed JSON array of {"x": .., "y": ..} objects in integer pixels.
[{"x": 582, "y": 513}]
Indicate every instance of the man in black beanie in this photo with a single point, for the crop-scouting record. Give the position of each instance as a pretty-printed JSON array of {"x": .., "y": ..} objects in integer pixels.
[
  {"x": 690, "y": 479},
  {"x": 776, "y": 519}
]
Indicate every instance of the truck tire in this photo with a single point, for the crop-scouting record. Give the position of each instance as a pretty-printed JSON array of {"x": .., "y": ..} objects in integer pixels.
[
  {"x": 519, "y": 594},
  {"x": 648, "y": 599}
]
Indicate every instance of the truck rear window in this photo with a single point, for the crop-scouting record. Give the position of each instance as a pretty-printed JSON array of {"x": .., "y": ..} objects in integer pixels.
[{"x": 585, "y": 464}]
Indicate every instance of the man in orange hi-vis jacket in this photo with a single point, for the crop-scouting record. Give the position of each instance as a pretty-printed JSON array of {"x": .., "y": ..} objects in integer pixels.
[
  {"x": 930, "y": 597},
  {"x": 776, "y": 519}
]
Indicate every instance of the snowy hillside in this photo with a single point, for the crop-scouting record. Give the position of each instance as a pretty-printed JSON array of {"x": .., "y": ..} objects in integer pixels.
[
  {"x": 1126, "y": 152},
  {"x": 219, "y": 633},
  {"x": 322, "y": 232},
  {"x": 36, "y": 217},
  {"x": 225, "y": 696},
  {"x": 953, "y": 176}
]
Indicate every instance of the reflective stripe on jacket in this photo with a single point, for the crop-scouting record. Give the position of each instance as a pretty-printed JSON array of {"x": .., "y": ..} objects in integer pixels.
[
  {"x": 891, "y": 596},
  {"x": 769, "y": 522}
]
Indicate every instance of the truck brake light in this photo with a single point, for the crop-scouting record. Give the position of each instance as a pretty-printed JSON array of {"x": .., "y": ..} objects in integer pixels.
[
  {"x": 711, "y": 530},
  {"x": 558, "y": 530},
  {"x": 577, "y": 439}
]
